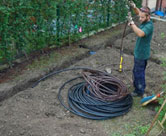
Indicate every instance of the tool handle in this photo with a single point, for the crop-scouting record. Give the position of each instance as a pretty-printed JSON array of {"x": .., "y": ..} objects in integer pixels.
[{"x": 121, "y": 62}]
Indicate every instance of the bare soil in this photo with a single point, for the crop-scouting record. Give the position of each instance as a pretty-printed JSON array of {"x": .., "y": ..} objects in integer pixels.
[{"x": 37, "y": 111}]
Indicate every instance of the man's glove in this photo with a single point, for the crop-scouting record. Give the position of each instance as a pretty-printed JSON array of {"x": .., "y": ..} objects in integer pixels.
[
  {"x": 132, "y": 4},
  {"x": 130, "y": 20}
]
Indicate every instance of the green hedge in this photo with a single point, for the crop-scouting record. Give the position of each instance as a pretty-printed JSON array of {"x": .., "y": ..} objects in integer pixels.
[{"x": 27, "y": 26}]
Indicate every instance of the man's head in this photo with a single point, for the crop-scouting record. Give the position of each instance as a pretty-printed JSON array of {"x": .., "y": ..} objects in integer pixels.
[{"x": 144, "y": 14}]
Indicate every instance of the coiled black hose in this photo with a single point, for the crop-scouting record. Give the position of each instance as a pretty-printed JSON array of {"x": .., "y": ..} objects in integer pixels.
[{"x": 82, "y": 102}]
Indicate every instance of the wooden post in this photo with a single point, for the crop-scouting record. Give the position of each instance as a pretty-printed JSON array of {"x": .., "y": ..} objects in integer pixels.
[
  {"x": 58, "y": 24},
  {"x": 155, "y": 118}
]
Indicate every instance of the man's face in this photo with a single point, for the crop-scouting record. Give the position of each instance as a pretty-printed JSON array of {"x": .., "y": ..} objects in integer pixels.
[{"x": 143, "y": 17}]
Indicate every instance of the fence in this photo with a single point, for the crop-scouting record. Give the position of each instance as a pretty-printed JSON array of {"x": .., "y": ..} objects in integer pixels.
[{"x": 27, "y": 26}]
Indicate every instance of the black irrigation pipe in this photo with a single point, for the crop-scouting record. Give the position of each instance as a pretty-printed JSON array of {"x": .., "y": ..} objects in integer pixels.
[
  {"x": 55, "y": 73},
  {"x": 83, "y": 103}
]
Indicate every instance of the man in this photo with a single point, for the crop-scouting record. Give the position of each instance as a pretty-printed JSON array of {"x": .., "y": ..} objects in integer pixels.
[{"x": 142, "y": 47}]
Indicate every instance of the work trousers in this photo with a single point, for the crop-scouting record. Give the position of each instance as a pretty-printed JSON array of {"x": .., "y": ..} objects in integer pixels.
[{"x": 139, "y": 76}]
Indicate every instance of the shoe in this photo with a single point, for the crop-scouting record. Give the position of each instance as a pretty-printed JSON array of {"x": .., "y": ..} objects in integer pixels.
[
  {"x": 134, "y": 94},
  {"x": 144, "y": 95}
]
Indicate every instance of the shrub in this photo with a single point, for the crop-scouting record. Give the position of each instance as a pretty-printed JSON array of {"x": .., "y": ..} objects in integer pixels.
[{"x": 26, "y": 26}]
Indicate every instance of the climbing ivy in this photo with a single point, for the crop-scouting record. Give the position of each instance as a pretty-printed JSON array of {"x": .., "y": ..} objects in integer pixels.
[{"x": 27, "y": 26}]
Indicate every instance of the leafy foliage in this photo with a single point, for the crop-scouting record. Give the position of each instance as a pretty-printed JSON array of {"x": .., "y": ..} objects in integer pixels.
[
  {"x": 161, "y": 100},
  {"x": 26, "y": 26}
]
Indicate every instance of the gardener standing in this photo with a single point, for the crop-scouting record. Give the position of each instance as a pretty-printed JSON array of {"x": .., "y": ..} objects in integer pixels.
[{"x": 142, "y": 47}]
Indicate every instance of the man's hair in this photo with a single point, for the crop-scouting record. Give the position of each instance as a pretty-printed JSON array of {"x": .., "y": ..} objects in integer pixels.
[{"x": 145, "y": 10}]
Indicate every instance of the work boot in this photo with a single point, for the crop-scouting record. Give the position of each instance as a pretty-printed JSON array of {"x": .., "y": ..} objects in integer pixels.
[{"x": 134, "y": 94}]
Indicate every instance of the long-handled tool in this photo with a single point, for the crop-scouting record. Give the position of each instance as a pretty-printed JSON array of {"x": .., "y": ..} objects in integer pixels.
[
  {"x": 149, "y": 99},
  {"x": 121, "y": 45},
  {"x": 121, "y": 49},
  {"x": 124, "y": 32}
]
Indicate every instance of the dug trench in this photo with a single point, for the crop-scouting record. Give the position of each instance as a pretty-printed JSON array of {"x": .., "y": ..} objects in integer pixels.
[
  {"x": 59, "y": 58},
  {"x": 37, "y": 112}
]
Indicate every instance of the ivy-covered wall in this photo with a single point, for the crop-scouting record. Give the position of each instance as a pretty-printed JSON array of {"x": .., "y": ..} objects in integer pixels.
[{"x": 30, "y": 25}]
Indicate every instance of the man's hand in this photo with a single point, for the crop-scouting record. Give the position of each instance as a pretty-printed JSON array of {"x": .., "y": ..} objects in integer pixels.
[
  {"x": 132, "y": 4},
  {"x": 129, "y": 18}
]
